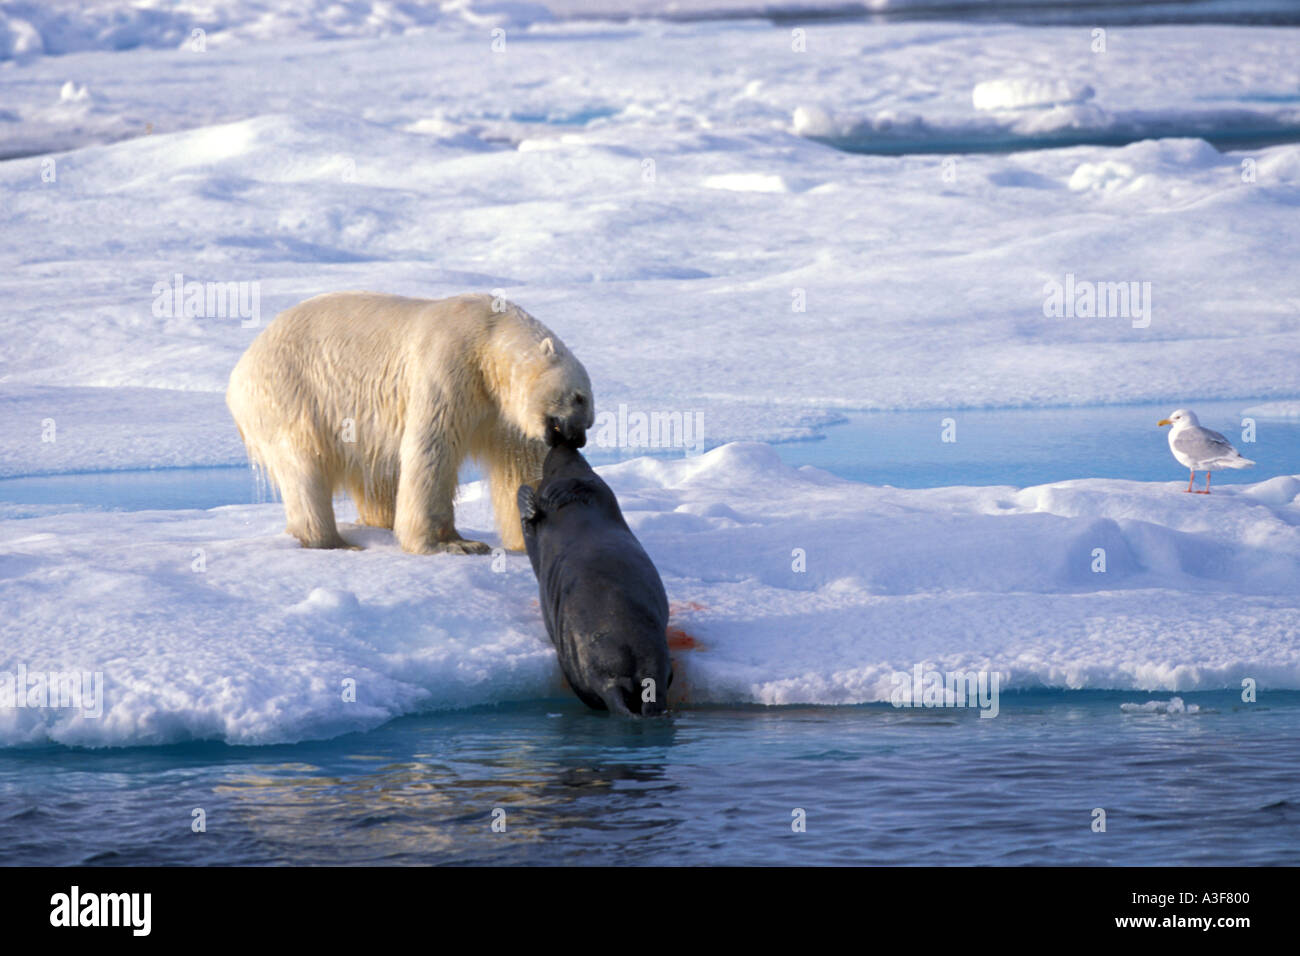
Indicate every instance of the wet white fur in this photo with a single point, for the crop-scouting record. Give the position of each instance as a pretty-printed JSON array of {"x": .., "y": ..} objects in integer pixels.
[{"x": 427, "y": 384}]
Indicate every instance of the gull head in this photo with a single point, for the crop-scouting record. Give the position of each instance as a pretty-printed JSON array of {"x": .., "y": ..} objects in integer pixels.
[{"x": 1180, "y": 418}]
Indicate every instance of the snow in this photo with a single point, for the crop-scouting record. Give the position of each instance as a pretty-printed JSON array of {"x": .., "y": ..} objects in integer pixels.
[
  {"x": 1197, "y": 593},
  {"x": 35, "y": 27},
  {"x": 1022, "y": 92},
  {"x": 32, "y": 27},
  {"x": 678, "y": 283},
  {"x": 673, "y": 200}
]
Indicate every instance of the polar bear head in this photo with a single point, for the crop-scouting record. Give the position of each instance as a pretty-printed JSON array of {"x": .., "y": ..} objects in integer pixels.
[
  {"x": 538, "y": 385},
  {"x": 561, "y": 403}
]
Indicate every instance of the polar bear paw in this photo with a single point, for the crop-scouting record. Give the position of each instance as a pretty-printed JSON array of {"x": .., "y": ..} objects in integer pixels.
[{"x": 460, "y": 546}]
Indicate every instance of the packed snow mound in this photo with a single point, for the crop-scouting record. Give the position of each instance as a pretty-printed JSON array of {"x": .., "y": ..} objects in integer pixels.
[{"x": 790, "y": 586}]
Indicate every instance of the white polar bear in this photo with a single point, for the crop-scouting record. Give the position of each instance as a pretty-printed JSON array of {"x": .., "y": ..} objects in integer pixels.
[{"x": 386, "y": 396}]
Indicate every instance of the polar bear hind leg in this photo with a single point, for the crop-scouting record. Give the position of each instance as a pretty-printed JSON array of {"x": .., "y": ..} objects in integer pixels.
[{"x": 308, "y": 492}]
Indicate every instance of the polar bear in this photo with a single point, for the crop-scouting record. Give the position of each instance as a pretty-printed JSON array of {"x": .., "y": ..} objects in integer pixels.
[{"x": 386, "y": 396}]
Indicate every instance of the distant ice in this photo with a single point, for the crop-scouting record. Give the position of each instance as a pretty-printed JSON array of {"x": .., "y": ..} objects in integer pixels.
[
  {"x": 35, "y": 27},
  {"x": 53, "y": 27},
  {"x": 1275, "y": 410}
]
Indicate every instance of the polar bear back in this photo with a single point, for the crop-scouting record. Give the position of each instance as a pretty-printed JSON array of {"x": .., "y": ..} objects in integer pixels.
[{"x": 367, "y": 359}]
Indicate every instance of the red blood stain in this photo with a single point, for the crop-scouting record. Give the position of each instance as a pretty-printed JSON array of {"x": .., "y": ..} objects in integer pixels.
[{"x": 679, "y": 640}]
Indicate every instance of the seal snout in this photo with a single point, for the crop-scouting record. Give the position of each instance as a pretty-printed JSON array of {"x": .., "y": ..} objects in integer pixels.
[{"x": 570, "y": 432}]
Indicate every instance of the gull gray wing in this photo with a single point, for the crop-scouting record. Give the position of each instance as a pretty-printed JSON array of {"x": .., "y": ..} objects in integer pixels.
[{"x": 1202, "y": 444}]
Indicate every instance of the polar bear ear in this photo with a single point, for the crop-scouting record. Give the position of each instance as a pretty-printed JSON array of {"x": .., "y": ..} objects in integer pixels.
[{"x": 548, "y": 347}]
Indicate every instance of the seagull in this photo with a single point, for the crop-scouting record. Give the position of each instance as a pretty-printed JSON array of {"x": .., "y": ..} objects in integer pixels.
[{"x": 1200, "y": 449}]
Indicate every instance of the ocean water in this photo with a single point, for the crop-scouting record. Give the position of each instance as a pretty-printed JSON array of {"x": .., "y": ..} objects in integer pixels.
[
  {"x": 876, "y": 785},
  {"x": 1215, "y": 782}
]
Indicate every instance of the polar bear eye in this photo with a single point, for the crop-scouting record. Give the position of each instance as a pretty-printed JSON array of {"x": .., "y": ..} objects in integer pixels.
[{"x": 579, "y": 399}]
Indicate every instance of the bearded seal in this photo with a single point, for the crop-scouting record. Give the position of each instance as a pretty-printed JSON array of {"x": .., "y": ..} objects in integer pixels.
[{"x": 604, "y": 603}]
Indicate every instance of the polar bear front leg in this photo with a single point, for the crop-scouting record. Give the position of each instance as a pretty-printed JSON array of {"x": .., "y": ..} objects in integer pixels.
[{"x": 424, "y": 522}]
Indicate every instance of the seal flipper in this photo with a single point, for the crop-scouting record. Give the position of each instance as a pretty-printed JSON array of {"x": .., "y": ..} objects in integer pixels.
[
  {"x": 615, "y": 701},
  {"x": 568, "y": 491},
  {"x": 529, "y": 514},
  {"x": 528, "y": 507}
]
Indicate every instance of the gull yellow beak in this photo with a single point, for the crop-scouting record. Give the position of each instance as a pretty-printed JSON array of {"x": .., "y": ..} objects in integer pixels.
[{"x": 1164, "y": 421}]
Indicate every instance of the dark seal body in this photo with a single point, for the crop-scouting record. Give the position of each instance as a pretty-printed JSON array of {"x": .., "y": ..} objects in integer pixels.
[{"x": 603, "y": 600}]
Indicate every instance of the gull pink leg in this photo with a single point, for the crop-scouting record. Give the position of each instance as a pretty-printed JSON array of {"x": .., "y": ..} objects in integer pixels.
[{"x": 1190, "y": 480}]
